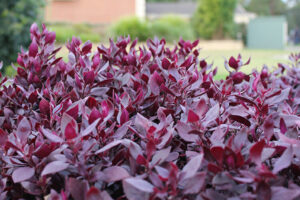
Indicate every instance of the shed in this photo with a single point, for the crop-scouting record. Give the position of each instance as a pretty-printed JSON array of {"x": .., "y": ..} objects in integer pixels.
[{"x": 267, "y": 33}]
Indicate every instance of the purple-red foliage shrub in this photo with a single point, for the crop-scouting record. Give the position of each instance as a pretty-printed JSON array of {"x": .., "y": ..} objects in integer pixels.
[{"x": 135, "y": 123}]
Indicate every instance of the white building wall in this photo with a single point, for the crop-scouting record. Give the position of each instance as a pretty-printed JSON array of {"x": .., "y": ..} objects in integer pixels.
[{"x": 140, "y": 8}]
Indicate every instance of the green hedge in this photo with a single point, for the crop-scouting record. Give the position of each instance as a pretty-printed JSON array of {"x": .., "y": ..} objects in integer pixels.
[
  {"x": 169, "y": 27},
  {"x": 172, "y": 28},
  {"x": 16, "y": 17},
  {"x": 65, "y": 32},
  {"x": 132, "y": 26}
]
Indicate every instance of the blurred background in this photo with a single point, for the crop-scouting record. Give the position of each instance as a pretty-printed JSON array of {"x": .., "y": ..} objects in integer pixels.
[{"x": 265, "y": 30}]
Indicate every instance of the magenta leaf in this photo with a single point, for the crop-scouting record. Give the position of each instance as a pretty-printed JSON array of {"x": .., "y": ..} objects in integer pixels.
[
  {"x": 109, "y": 146},
  {"x": 218, "y": 153},
  {"x": 70, "y": 132},
  {"x": 87, "y": 47},
  {"x": 268, "y": 127},
  {"x": 90, "y": 128},
  {"x": 44, "y": 107},
  {"x": 155, "y": 81},
  {"x": 279, "y": 193},
  {"x": 194, "y": 184},
  {"x": 33, "y": 49},
  {"x": 192, "y": 116},
  {"x": 66, "y": 120},
  {"x": 256, "y": 150},
  {"x": 77, "y": 188},
  {"x": 134, "y": 148},
  {"x": 284, "y": 94},
  {"x": 115, "y": 173},
  {"x": 160, "y": 156},
  {"x": 136, "y": 189},
  {"x": 165, "y": 63},
  {"x": 263, "y": 191},
  {"x": 217, "y": 137},
  {"x": 212, "y": 114},
  {"x": 191, "y": 168},
  {"x": 233, "y": 63},
  {"x": 95, "y": 115},
  {"x": 54, "y": 167},
  {"x": 124, "y": 117},
  {"x": 89, "y": 77},
  {"x": 22, "y": 174},
  {"x": 284, "y": 160},
  {"x": 283, "y": 128},
  {"x": 93, "y": 194},
  {"x": 183, "y": 131},
  {"x": 50, "y": 38},
  {"x": 51, "y": 136},
  {"x": 24, "y": 129}
]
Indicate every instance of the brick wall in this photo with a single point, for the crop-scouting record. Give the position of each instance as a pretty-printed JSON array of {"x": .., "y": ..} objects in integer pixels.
[{"x": 89, "y": 11}]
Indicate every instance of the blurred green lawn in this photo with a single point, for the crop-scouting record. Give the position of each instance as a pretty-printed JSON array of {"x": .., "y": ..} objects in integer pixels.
[{"x": 259, "y": 58}]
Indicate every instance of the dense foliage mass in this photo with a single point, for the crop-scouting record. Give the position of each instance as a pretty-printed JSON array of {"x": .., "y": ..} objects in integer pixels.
[
  {"x": 129, "y": 122},
  {"x": 16, "y": 17},
  {"x": 171, "y": 27},
  {"x": 214, "y": 19}
]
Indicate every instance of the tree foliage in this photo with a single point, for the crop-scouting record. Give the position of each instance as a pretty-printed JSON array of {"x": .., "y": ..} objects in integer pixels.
[
  {"x": 214, "y": 18},
  {"x": 266, "y": 7},
  {"x": 16, "y": 17},
  {"x": 293, "y": 16}
]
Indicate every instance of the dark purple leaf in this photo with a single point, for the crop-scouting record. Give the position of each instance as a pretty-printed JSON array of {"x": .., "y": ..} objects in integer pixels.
[
  {"x": 233, "y": 63},
  {"x": 263, "y": 191},
  {"x": 89, "y": 77},
  {"x": 240, "y": 119},
  {"x": 3, "y": 137}
]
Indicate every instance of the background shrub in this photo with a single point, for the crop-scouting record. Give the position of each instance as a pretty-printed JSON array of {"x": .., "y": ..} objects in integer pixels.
[
  {"x": 172, "y": 28},
  {"x": 65, "y": 32},
  {"x": 16, "y": 16},
  {"x": 132, "y": 26},
  {"x": 213, "y": 19}
]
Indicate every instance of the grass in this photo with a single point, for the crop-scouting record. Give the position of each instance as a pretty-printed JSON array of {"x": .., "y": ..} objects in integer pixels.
[{"x": 259, "y": 58}]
